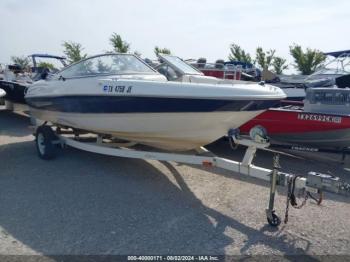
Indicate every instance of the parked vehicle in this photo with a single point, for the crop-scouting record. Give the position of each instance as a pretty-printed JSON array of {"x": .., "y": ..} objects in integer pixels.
[
  {"x": 17, "y": 79},
  {"x": 323, "y": 122}
]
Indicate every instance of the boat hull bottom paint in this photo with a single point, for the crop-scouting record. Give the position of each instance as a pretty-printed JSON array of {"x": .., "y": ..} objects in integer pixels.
[{"x": 169, "y": 131}]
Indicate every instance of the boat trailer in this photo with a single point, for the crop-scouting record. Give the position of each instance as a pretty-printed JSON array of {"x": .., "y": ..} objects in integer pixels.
[{"x": 48, "y": 140}]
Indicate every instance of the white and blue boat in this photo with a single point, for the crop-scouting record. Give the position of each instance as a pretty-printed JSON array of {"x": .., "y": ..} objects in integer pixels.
[{"x": 121, "y": 96}]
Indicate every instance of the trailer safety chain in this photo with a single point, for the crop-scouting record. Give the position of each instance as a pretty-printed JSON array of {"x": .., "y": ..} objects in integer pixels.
[
  {"x": 291, "y": 193},
  {"x": 319, "y": 200},
  {"x": 288, "y": 200},
  {"x": 291, "y": 198}
]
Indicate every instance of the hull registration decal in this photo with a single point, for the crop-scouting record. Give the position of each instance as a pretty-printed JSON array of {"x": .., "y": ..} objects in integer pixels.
[
  {"x": 117, "y": 89},
  {"x": 320, "y": 118}
]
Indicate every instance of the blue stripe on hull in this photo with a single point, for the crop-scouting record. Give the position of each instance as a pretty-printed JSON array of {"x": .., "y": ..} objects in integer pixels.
[{"x": 123, "y": 104}]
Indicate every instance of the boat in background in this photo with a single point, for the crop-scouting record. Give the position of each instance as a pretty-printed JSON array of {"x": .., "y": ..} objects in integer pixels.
[
  {"x": 234, "y": 70},
  {"x": 178, "y": 70},
  {"x": 323, "y": 122},
  {"x": 120, "y": 96},
  {"x": 16, "y": 79},
  {"x": 338, "y": 65}
]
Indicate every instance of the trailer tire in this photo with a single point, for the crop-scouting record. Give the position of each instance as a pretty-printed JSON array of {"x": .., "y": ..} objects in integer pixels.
[{"x": 44, "y": 141}]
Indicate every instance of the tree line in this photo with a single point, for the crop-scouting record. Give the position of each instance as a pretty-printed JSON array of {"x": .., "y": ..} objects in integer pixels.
[
  {"x": 306, "y": 62},
  {"x": 74, "y": 52}
]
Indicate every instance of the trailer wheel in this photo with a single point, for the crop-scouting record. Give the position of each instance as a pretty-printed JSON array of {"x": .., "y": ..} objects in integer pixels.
[
  {"x": 274, "y": 221},
  {"x": 44, "y": 140}
]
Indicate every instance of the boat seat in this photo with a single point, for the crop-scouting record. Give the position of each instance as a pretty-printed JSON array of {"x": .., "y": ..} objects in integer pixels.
[
  {"x": 219, "y": 64},
  {"x": 40, "y": 73},
  {"x": 201, "y": 62}
]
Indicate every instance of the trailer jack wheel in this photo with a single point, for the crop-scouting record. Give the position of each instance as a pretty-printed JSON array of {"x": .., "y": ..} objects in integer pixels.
[
  {"x": 273, "y": 219},
  {"x": 45, "y": 142}
]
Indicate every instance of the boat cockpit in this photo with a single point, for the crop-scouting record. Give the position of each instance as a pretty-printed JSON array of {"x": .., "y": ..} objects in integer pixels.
[{"x": 176, "y": 69}]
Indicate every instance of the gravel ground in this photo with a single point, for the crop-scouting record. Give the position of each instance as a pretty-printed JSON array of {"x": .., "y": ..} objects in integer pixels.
[{"x": 84, "y": 203}]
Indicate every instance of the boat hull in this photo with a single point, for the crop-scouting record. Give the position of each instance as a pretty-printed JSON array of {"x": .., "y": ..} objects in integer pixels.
[
  {"x": 168, "y": 115},
  {"x": 337, "y": 139},
  {"x": 169, "y": 131},
  {"x": 302, "y": 128}
]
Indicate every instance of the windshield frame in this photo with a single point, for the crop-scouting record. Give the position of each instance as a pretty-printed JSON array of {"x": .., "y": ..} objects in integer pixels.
[
  {"x": 167, "y": 61},
  {"x": 59, "y": 74}
]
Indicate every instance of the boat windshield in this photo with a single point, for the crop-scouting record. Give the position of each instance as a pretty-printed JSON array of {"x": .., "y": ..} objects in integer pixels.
[
  {"x": 179, "y": 64},
  {"x": 109, "y": 64},
  {"x": 337, "y": 66}
]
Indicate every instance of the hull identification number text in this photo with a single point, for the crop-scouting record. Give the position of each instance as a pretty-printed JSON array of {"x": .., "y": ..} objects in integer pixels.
[
  {"x": 117, "y": 89},
  {"x": 320, "y": 118}
]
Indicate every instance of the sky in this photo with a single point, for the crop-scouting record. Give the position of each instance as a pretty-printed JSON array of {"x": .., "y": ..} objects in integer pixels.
[{"x": 189, "y": 28}]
